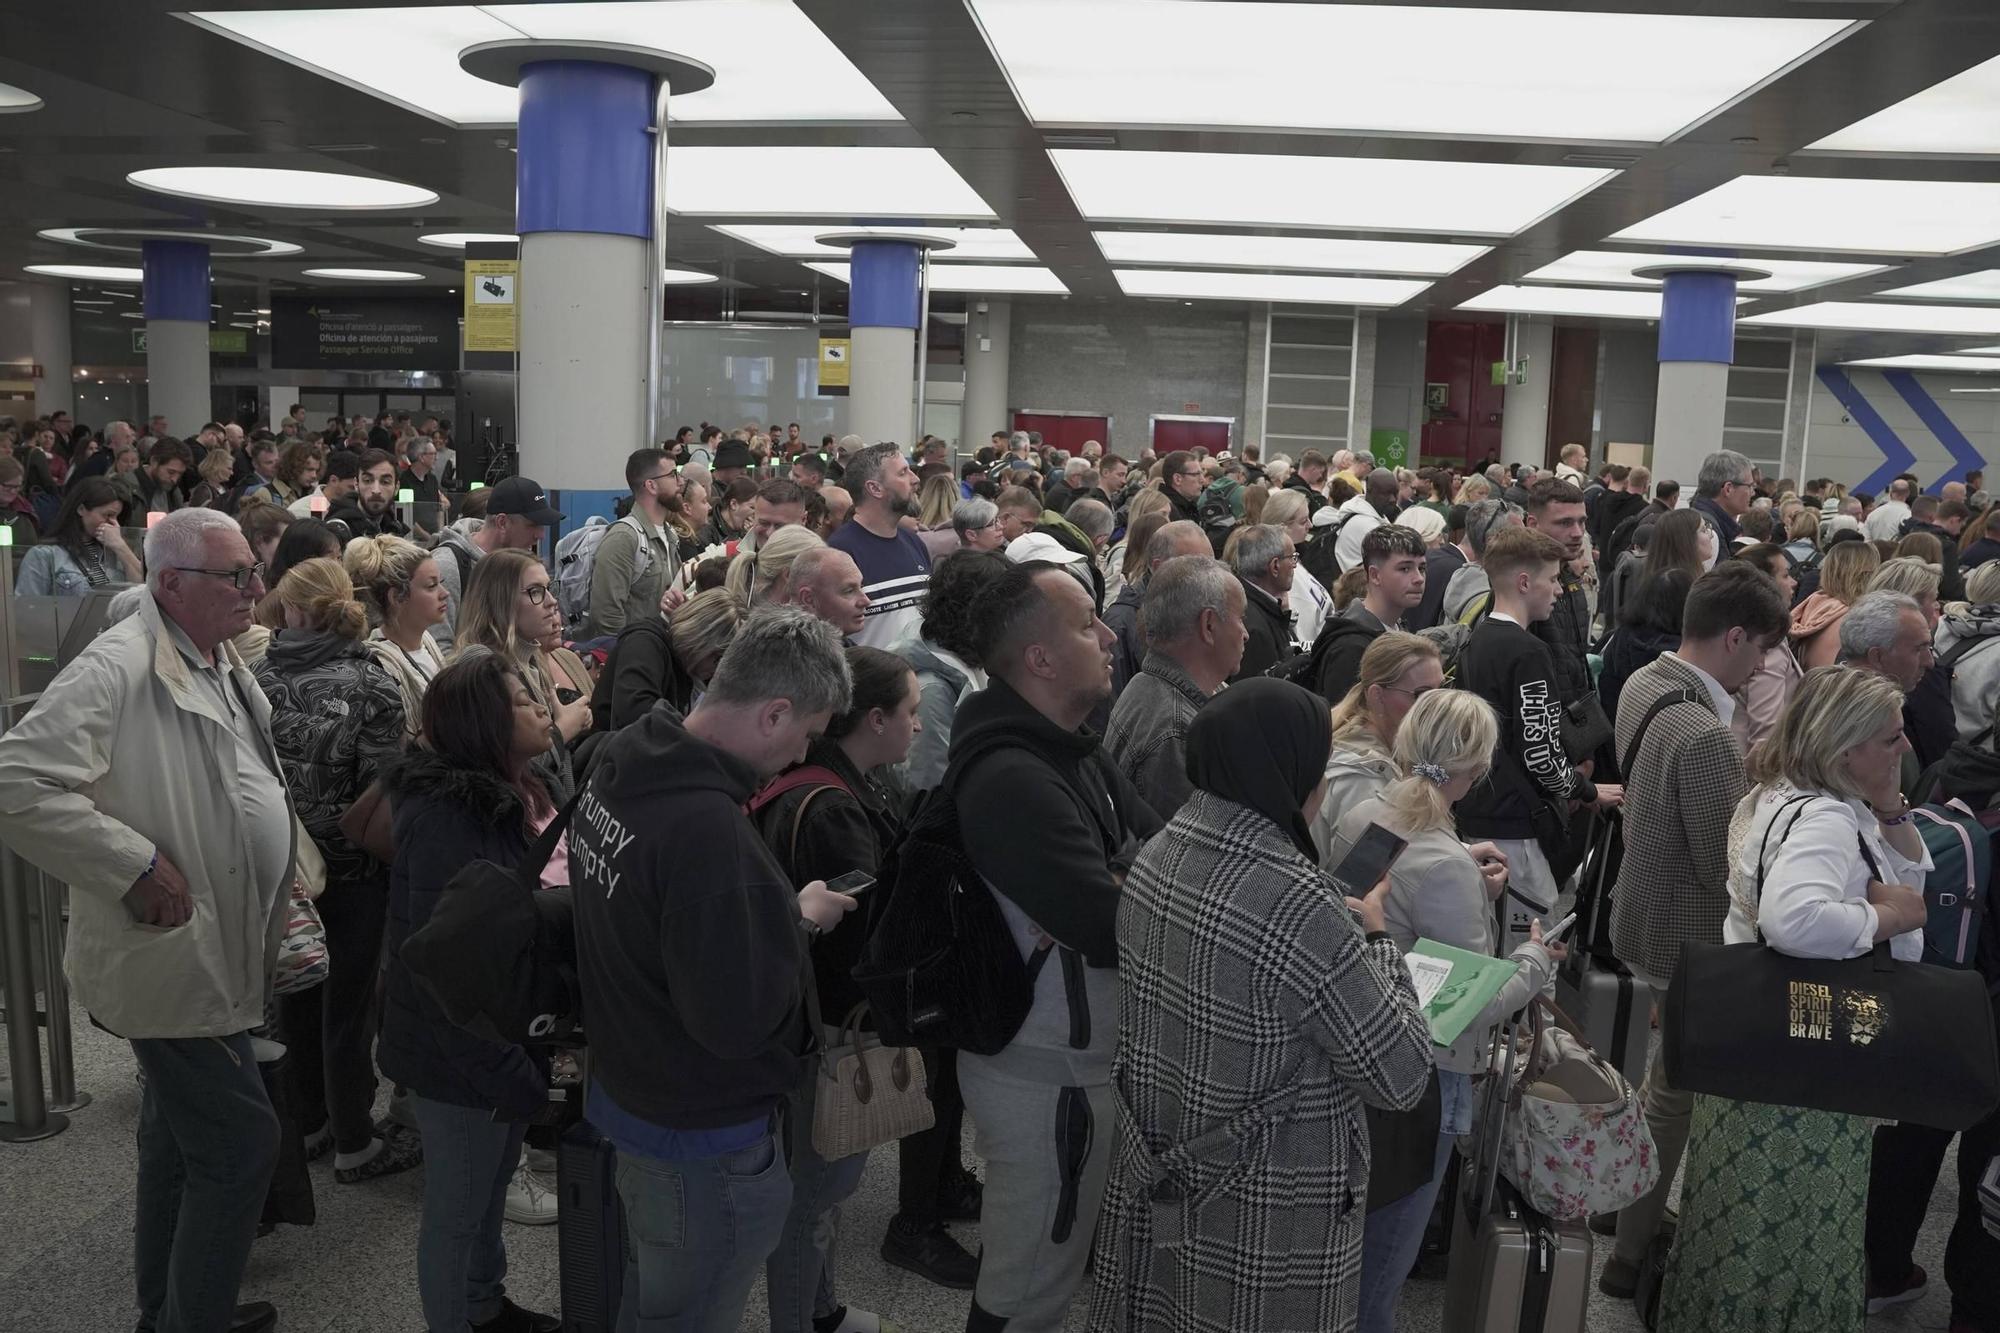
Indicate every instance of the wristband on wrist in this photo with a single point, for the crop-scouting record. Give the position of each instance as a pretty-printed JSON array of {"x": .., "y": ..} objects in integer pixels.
[
  {"x": 151, "y": 866},
  {"x": 1893, "y": 821}
]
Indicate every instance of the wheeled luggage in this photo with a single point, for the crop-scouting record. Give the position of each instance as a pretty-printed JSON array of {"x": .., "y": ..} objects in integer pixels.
[
  {"x": 1614, "y": 1009},
  {"x": 590, "y": 1230},
  {"x": 1512, "y": 1270}
]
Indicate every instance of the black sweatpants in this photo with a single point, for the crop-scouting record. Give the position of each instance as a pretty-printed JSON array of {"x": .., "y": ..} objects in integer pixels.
[
  {"x": 330, "y": 1029},
  {"x": 1900, "y": 1179},
  {"x": 928, "y": 1158}
]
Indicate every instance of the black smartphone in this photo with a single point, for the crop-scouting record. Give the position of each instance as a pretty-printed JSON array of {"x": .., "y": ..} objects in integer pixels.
[
  {"x": 1369, "y": 859},
  {"x": 853, "y": 883},
  {"x": 564, "y": 694}
]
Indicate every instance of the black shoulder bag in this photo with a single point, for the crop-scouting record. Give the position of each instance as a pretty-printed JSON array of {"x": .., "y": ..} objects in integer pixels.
[{"x": 1870, "y": 1036}]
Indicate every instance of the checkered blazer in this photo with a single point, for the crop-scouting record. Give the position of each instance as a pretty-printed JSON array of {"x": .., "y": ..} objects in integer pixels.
[{"x": 1253, "y": 1020}]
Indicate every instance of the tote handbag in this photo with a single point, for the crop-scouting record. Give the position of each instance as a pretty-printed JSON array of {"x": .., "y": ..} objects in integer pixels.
[
  {"x": 1870, "y": 1036},
  {"x": 1576, "y": 1138},
  {"x": 865, "y": 1094}
]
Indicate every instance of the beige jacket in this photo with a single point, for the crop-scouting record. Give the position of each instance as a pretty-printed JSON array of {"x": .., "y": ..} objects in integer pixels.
[{"x": 125, "y": 755}]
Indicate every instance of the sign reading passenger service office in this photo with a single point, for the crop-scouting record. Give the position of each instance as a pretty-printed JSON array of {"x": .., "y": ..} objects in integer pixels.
[{"x": 363, "y": 333}]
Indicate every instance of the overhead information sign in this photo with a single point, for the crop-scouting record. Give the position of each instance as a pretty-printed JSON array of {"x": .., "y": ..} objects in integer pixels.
[{"x": 363, "y": 333}]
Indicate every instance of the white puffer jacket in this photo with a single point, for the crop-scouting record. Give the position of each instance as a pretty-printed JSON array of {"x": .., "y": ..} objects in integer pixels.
[{"x": 1975, "y": 677}]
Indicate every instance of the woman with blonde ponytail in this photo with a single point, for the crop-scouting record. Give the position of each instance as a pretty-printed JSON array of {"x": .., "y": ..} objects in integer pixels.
[
  {"x": 765, "y": 575},
  {"x": 399, "y": 583},
  {"x": 336, "y": 718},
  {"x": 1437, "y": 891}
]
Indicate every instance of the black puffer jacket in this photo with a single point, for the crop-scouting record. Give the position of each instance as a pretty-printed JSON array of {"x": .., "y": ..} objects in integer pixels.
[
  {"x": 337, "y": 718},
  {"x": 447, "y": 817}
]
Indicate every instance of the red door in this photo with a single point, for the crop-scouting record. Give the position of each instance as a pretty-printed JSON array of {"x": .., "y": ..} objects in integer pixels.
[
  {"x": 1171, "y": 433},
  {"x": 1061, "y": 430},
  {"x": 1461, "y": 402}
]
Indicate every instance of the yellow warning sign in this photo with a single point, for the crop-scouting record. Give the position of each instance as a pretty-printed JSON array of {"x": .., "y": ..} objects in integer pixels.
[
  {"x": 833, "y": 363},
  {"x": 490, "y": 308}
]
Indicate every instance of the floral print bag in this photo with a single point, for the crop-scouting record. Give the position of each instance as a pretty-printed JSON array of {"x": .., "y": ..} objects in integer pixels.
[{"x": 1576, "y": 1140}]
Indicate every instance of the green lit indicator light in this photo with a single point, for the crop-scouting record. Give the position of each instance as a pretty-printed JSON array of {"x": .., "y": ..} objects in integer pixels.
[
  {"x": 406, "y": 496},
  {"x": 477, "y": 486}
]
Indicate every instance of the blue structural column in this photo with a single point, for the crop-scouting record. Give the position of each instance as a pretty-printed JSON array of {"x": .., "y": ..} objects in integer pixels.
[
  {"x": 177, "y": 320},
  {"x": 882, "y": 314},
  {"x": 584, "y": 211},
  {"x": 1697, "y": 344}
]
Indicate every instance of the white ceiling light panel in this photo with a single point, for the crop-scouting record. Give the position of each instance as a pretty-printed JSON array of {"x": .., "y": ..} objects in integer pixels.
[
  {"x": 995, "y": 244},
  {"x": 15, "y": 100},
  {"x": 1307, "y": 288},
  {"x": 768, "y": 180},
  {"x": 1317, "y": 193},
  {"x": 1959, "y": 116},
  {"x": 1981, "y": 286},
  {"x": 771, "y": 62},
  {"x": 275, "y": 187},
  {"x": 458, "y": 240},
  {"x": 1883, "y": 318},
  {"x": 364, "y": 274},
  {"x": 991, "y": 279},
  {"x": 1587, "y": 302},
  {"x": 87, "y": 272},
  {"x": 1884, "y": 217},
  {"x": 1979, "y": 365},
  {"x": 1600, "y": 268},
  {"x": 1387, "y": 69},
  {"x": 1336, "y": 254}
]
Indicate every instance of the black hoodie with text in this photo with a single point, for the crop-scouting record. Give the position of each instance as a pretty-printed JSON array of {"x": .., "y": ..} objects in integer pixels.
[{"x": 688, "y": 934}]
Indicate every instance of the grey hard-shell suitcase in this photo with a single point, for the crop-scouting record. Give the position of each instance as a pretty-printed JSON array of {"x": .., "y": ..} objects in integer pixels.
[
  {"x": 1614, "y": 1009},
  {"x": 1512, "y": 1270}
]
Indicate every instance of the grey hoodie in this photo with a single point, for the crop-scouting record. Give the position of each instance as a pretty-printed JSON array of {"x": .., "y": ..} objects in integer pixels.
[
  {"x": 943, "y": 682},
  {"x": 1467, "y": 582},
  {"x": 459, "y": 538},
  {"x": 1975, "y": 677}
]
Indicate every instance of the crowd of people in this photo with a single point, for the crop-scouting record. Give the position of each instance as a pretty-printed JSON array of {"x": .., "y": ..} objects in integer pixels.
[{"x": 1160, "y": 700}]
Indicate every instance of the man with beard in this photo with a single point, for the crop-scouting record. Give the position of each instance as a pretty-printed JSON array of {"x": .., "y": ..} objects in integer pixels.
[
  {"x": 366, "y": 511},
  {"x": 895, "y": 566}
]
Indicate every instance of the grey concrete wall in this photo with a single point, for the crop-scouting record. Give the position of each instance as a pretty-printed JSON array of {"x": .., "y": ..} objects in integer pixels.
[
  {"x": 1629, "y": 387},
  {"x": 1398, "y": 398},
  {"x": 1836, "y": 446},
  {"x": 1129, "y": 362}
]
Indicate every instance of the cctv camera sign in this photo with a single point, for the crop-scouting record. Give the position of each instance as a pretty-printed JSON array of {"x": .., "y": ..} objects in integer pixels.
[
  {"x": 363, "y": 333},
  {"x": 490, "y": 311}
]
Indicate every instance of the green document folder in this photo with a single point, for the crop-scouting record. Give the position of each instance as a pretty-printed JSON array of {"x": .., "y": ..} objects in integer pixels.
[{"x": 1474, "y": 979}]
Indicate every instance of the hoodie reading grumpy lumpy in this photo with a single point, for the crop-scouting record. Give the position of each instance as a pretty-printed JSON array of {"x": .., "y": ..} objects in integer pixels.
[{"x": 687, "y": 934}]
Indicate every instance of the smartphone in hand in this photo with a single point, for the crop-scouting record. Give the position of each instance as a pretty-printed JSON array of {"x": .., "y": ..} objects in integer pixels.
[
  {"x": 854, "y": 883},
  {"x": 1369, "y": 859}
]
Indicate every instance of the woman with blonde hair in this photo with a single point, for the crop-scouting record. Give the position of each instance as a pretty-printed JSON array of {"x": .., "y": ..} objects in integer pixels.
[
  {"x": 1397, "y": 670},
  {"x": 1310, "y": 602},
  {"x": 1437, "y": 891},
  {"x": 1474, "y": 489},
  {"x": 660, "y": 660},
  {"x": 215, "y": 470},
  {"x": 510, "y": 607},
  {"x": 399, "y": 583},
  {"x": 765, "y": 575},
  {"x": 336, "y": 719},
  {"x": 1823, "y": 857},
  {"x": 1125, "y": 559},
  {"x": 935, "y": 502},
  {"x": 1843, "y": 577}
]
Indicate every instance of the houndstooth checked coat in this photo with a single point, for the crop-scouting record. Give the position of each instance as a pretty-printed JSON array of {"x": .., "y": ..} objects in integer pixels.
[{"x": 1253, "y": 1020}]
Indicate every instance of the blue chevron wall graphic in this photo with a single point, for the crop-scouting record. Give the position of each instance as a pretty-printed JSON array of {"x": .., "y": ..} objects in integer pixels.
[{"x": 1898, "y": 448}]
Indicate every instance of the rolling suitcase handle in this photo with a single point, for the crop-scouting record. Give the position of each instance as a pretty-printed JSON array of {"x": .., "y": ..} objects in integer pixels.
[{"x": 1483, "y": 1177}]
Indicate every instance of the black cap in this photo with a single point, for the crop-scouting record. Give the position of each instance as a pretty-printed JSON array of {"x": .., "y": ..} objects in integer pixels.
[
  {"x": 732, "y": 453},
  {"x": 519, "y": 495}
]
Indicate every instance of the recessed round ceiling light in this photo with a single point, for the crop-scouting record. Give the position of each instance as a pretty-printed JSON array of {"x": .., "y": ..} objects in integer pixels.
[
  {"x": 87, "y": 272},
  {"x": 365, "y": 274},
  {"x": 684, "y": 277},
  {"x": 458, "y": 240},
  {"x": 131, "y": 240},
  {"x": 276, "y": 187},
  {"x": 14, "y": 99}
]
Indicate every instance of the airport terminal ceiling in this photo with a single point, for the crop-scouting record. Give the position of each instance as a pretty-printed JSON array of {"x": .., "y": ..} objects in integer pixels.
[{"x": 1417, "y": 158}]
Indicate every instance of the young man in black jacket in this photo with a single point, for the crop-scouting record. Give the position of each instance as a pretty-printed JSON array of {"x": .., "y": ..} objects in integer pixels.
[
  {"x": 1525, "y": 803},
  {"x": 691, "y": 944},
  {"x": 1051, "y": 825},
  {"x": 1555, "y": 508},
  {"x": 1394, "y": 560}
]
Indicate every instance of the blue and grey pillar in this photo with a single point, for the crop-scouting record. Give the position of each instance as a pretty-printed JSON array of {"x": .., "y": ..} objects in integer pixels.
[
  {"x": 588, "y": 214},
  {"x": 1697, "y": 345},
  {"x": 175, "y": 292},
  {"x": 886, "y": 301}
]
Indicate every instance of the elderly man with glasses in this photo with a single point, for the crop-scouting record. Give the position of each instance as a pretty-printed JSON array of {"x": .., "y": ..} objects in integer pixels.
[
  {"x": 146, "y": 779},
  {"x": 1724, "y": 489}
]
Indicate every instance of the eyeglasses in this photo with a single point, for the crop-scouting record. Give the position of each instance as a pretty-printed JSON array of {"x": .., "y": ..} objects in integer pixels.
[
  {"x": 1414, "y": 694},
  {"x": 536, "y": 593},
  {"x": 659, "y": 476},
  {"x": 240, "y": 579}
]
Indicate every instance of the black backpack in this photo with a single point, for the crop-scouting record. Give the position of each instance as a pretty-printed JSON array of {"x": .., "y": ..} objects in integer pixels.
[
  {"x": 1317, "y": 555},
  {"x": 1970, "y": 770},
  {"x": 940, "y": 967}
]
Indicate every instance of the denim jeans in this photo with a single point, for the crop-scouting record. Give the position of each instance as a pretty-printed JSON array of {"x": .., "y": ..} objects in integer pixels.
[
  {"x": 798, "y": 1277},
  {"x": 208, "y": 1141},
  {"x": 469, "y": 1159},
  {"x": 1394, "y": 1232},
  {"x": 695, "y": 1235}
]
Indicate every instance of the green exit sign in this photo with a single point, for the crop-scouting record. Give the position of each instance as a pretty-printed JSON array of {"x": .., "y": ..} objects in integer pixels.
[{"x": 236, "y": 341}]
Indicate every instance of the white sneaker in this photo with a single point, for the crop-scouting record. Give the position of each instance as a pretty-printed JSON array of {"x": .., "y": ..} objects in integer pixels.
[{"x": 531, "y": 1197}]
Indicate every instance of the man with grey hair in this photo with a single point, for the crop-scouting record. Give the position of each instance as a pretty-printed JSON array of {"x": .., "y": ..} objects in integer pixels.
[
  {"x": 1128, "y": 652},
  {"x": 1017, "y": 444},
  {"x": 1470, "y": 592},
  {"x": 147, "y": 780},
  {"x": 1192, "y": 617},
  {"x": 1265, "y": 562},
  {"x": 1723, "y": 491},
  {"x": 1069, "y": 485},
  {"x": 895, "y": 564},
  {"x": 690, "y": 940},
  {"x": 1887, "y": 633}
]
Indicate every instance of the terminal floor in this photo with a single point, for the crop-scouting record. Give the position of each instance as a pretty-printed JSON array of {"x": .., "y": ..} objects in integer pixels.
[{"x": 66, "y": 1264}]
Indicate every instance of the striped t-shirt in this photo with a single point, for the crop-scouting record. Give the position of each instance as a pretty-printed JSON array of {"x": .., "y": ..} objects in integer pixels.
[{"x": 895, "y": 572}]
